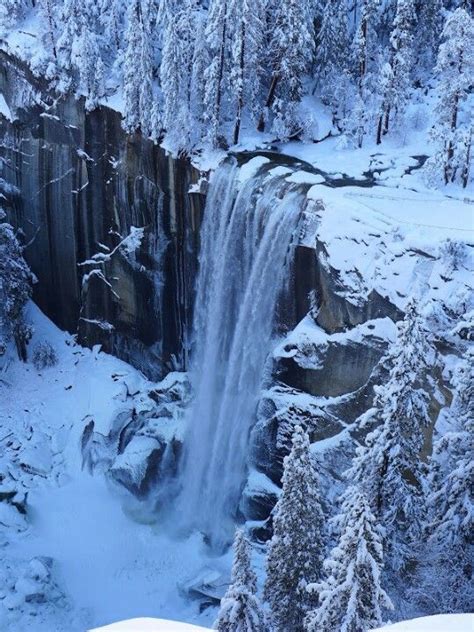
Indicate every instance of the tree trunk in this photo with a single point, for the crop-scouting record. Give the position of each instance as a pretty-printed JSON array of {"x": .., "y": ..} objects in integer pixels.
[
  {"x": 387, "y": 120},
  {"x": 221, "y": 70},
  {"x": 240, "y": 97},
  {"x": 363, "y": 60},
  {"x": 379, "y": 129},
  {"x": 467, "y": 162},
  {"x": 268, "y": 102},
  {"x": 449, "y": 173}
]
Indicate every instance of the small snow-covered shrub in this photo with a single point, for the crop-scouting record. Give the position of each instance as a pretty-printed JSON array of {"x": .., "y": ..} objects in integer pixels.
[
  {"x": 454, "y": 254},
  {"x": 16, "y": 281},
  {"x": 44, "y": 356}
]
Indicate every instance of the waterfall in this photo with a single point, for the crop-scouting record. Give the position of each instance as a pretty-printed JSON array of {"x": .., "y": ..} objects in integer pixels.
[{"x": 247, "y": 237}]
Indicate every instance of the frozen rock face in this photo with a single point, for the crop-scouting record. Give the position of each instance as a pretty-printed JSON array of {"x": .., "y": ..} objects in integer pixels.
[{"x": 85, "y": 189}]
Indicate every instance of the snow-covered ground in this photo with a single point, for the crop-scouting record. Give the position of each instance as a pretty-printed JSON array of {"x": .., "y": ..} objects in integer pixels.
[
  {"x": 438, "y": 623},
  {"x": 107, "y": 566},
  {"x": 149, "y": 625}
]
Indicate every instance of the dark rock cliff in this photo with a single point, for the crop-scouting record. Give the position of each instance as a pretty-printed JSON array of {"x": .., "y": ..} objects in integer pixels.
[{"x": 83, "y": 186}]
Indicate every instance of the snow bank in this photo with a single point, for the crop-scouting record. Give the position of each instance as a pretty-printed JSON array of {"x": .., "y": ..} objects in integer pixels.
[
  {"x": 438, "y": 623},
  {"x": 108, "y": 559},
  {"x": 149, "y": 625},
  {"x": 250, "y": 168}
]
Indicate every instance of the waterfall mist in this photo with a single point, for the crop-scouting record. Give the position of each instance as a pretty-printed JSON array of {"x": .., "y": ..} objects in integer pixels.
[{"x": 247, "y": 239}]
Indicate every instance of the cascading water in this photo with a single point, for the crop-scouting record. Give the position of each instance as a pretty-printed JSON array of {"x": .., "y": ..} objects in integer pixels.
[{"x": 247, "y": 238}]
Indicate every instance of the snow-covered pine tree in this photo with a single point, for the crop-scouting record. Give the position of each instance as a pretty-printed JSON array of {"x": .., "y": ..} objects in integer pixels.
[
  {"x": 145, "y": 92},
  {"x": 11, "y": 11},
  {"x": 138, "y": 70},
  {"x": 365, "y": 40},
  {"x": 111, "y": 15},
  {"x": 366, "y": 54},
  {"x": 291, "y": 49},
  {"x": 455, "y": 67},
  {"x": 217, "y": 73},
  {"x": 397, "y": 83},
  {"x": 296, "y": 550},
  {"x": 15, "y": 288},
  {"x": 171, "y": 65},
  {"x": 465, "y": 156},
  {"x": 332, "y": 57},
  {"x": 247, "y": 17},
  {"x": 451, "y": 500},
  {"x": 179, "y": 22},
  {"x": 131, "y": 68},
  {"x": 75, "y": 15},
  {"x": 389, "y": 468},
  {"x": 240, "y": 609},
  {"x": 200, "y": 61},
  {"x": 351, "y": 597},
  {"x": 332, "y": 39},
  {"x": 91, "y": 69},
  {"x": 428, "y": 33},
  {"x": 47, "y": 10}
]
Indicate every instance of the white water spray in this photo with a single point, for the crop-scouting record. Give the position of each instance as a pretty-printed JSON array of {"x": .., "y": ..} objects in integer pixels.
[{"x": 247, "y": 239}]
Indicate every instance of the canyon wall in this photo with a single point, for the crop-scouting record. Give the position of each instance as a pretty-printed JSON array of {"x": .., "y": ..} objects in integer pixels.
[{"x": 81, "y": 188}]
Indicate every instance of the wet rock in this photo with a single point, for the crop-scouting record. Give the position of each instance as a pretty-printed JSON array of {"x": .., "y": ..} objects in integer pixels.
[
  {"x": 344, "y": 368},
  {"x": 136, "y": 468},
  {"x": 259, "y": 497},
  {"x": 336, "y": 312}
]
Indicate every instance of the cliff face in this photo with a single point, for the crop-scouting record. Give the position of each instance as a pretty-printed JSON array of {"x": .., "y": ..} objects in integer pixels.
[{"x": 83, "y": 186}]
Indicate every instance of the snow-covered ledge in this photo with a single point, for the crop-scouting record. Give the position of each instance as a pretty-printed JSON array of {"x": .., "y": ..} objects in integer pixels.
[{"x": 149, "y": 625}]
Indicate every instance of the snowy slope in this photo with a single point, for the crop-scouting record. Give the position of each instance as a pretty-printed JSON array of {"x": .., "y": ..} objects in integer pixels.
[
  {"x": 108, "y": 561},
  {"x": 438, "y": 623}
]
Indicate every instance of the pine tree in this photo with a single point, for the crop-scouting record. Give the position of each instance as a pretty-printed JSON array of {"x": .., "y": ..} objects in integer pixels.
[
  {"x": 145, "y": 92},
  {"x": 48, "y": 14},
  {"x": 111, "y": 15},
  {"x": 217, "y": 73},
  {"x": 398, "y": 82},
  {"x": 131, "y": 70},
  {"x": 179, "y": 21},
  {"x": 200, "y": 62},
  {"x": 247, "y": 36},
  {"x": 428, "y": 32},
  {"x": 91, "y": 70},
  {"x": 351, "y": 597},
  {"x": 15, "y": 288},
  {"x": 455, "y": 67},
  {"x": 333, "y": 38},
  {"x": 291, "y": 54},
  {"x": 451, "y": 491},
  {"x": 75, "y": 16},
  {"x": 295, "y": 551},
  {"x": 366, "y": 54},
  {"x": 240, "y": 609},
  {"x": 388, "y": 468},
  {"x": 138, "y": 70},
  {"x": 331, "y": 57},
  {"x": 365, "y": 40},
  {"x": 12, "y": 11}
]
